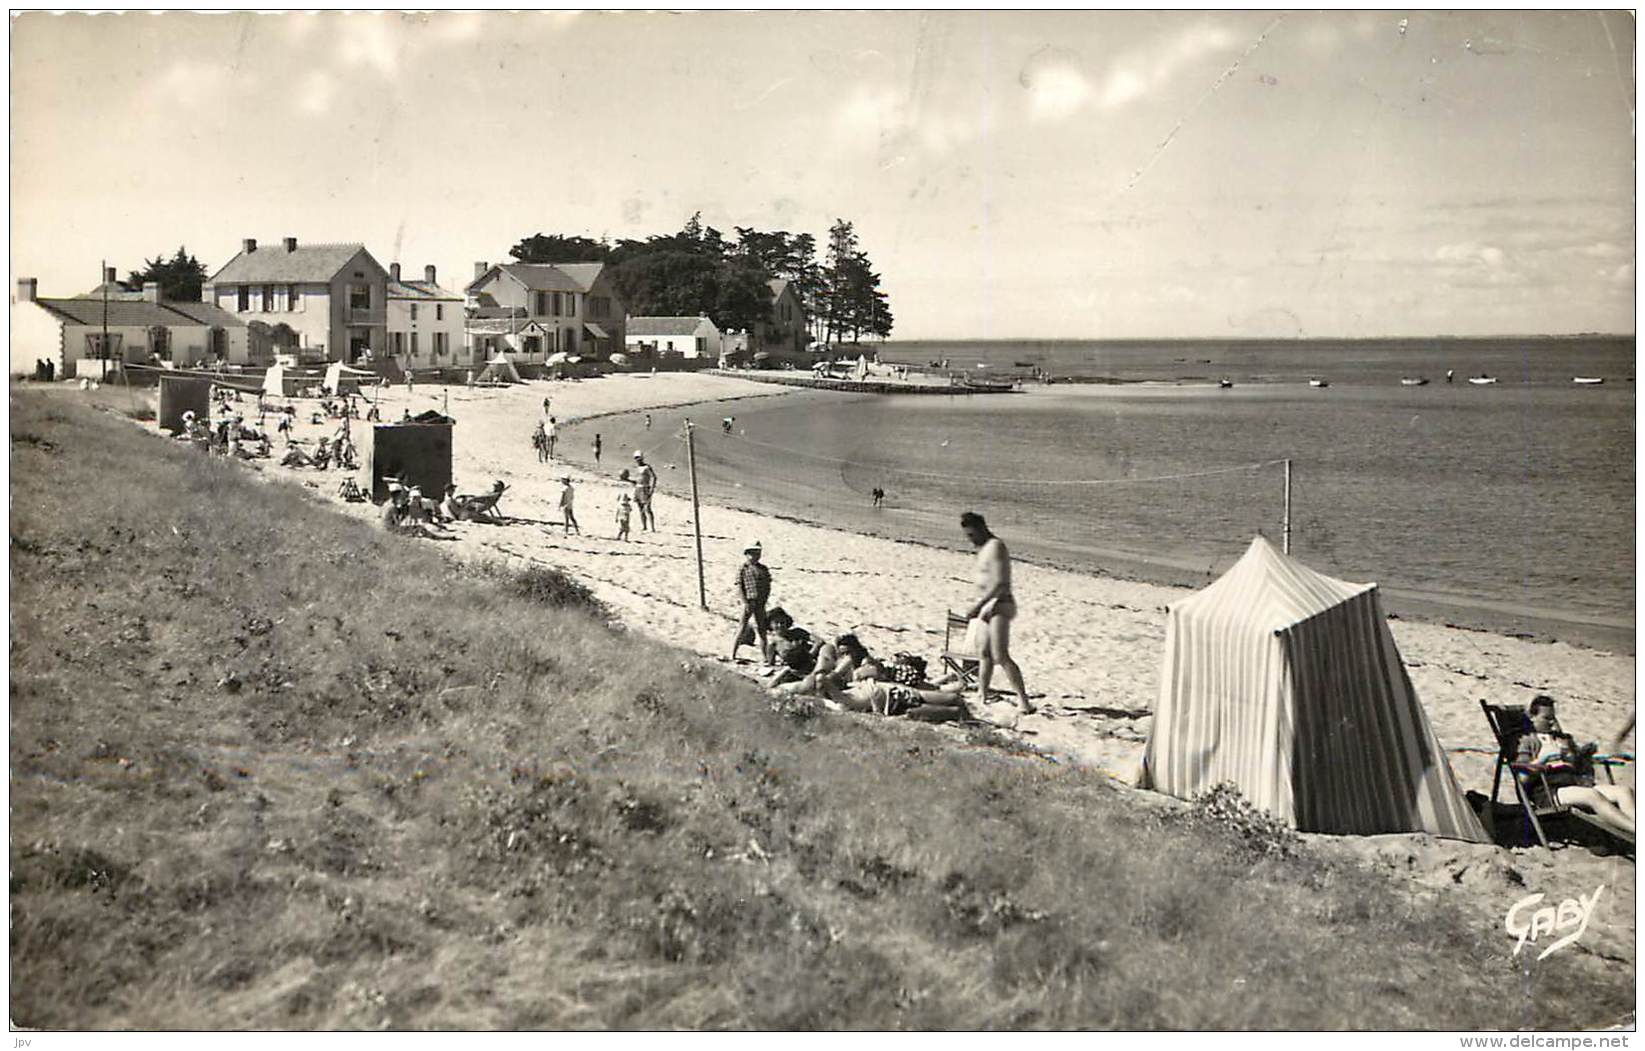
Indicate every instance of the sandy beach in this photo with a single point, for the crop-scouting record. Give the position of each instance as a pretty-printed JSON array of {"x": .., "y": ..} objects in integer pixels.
[{"x": 1090, "y": 646}]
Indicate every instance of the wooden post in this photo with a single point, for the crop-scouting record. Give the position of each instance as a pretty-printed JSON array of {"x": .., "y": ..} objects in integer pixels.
[
  {"x": 696, "y": 515},
  {"x": 1287, "y": 507}
]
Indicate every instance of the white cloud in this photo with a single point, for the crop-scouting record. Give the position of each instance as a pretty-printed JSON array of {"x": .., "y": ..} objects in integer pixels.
[
  {"x": 371, "y": 40},
  {"x": 1622, "y": 275},
  {"x": 1469, "y": 252},
  {"x": 884, "y": 118},
  {"x": 1145, "y": 70},
  {"x": 1056, "y": 89},
  {"x": 316, "y": 93}
]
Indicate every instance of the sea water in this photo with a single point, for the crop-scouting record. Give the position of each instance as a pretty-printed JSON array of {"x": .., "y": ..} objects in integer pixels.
[{"x": 1507, "y": 506}]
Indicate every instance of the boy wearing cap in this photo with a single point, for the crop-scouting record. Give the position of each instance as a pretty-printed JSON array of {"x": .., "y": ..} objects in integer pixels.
[
  {"x": 625, "y": 507},
  {"x": 754, "y": 586}
]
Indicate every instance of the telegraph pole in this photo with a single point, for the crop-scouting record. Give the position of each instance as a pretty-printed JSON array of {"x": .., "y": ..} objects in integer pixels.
[
  {"x": 696, "y": 514},
  {"x": 1287, "y": 507}
]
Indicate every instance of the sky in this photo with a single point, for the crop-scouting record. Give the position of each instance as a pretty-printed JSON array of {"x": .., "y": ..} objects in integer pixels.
[{"x": 1011, "y": 175}]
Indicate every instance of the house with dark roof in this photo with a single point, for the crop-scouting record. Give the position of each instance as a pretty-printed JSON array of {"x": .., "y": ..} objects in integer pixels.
[
  {"x": 574, "y": 302},
  {"x": 785, "y": 329},
  {"x": 686, "y": 337},
  {"x": 425, "y": 322},
  {"x": 86, "y": 333},
  {"x": 321, "y": 302}
]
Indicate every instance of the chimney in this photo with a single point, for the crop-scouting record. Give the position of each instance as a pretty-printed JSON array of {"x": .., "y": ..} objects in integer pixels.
[
  {"x": 249, "y": 245},
  {"x": 394, "y": 271},
  {"x": 151, "y": 291},
  {"x": 291, "y": 244},
  {"x": 108, "y": 275},
  {"x": 480, "y": 270},
  {"x": 28, "y": 289},
  {"x": 428, "y": 273}
]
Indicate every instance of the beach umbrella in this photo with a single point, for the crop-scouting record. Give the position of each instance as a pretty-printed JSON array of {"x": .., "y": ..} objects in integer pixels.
[
  {"x": 559, "y": 357},
  {"x": 620, "y": 359}
]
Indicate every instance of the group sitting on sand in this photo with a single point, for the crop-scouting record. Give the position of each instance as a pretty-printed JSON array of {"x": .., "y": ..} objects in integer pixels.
[{"x": 844, "y": 674}]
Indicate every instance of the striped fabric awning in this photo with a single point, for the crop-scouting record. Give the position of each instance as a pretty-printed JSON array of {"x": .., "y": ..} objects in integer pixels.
[{"x": 1288, "y": 684}]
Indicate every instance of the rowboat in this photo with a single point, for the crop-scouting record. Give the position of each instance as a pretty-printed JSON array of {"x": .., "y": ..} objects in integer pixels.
[
  {"x": 1481, "y": 381},
  {"x": 1588, "y": 381},
  {"x": 1319, "y": 383},
  {"x": 1225, "y": 384},
  {"x": 1413, "y": 381}
]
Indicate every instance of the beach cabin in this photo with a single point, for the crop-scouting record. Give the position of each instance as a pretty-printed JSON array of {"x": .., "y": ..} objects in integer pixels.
[{"x": 686, "y": 337}]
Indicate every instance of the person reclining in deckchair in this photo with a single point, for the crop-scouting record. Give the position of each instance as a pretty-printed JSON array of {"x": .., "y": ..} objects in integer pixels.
[
  {"x": 1568, "y": 770},
  {"x": 483, "y": 508}
]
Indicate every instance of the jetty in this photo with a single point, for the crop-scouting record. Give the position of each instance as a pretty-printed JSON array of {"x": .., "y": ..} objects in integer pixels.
[{"x": 913, "y": 385}]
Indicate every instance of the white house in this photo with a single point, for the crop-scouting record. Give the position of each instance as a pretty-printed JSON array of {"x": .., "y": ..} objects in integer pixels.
[
  {"x": 135, "y": 328},
  {"x": 520, "y": 339},
  {"x": 575, "y": 303},
  {"x": 689, "y": 337},
  {"x": 425, "y": 322}
]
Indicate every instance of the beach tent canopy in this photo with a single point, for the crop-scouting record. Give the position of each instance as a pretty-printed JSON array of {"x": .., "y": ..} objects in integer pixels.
[
  {"x": 336, "y": 371},
  {"x": 499, "y": 370},
  {"x": 559, "y": 357},
  {"x": 620, "y": 359},
  {"x": 1287, "y": 683},
  {"x": 274, "y": 381}
]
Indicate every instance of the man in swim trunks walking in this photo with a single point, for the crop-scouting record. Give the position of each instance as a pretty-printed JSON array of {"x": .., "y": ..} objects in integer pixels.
[
  {"x": 645, "y": 483},
  {"x": 996, "y": 607}
]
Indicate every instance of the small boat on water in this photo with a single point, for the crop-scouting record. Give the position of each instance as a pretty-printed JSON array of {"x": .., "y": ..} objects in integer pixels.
[
  {"x": 1225, "y": 384},
  {"x": 1413, "y": 381},
  {"x": 1316, "y": 382},
  {"x": 1481, "y": 381},
  {"x": 1588, "y": 381}
]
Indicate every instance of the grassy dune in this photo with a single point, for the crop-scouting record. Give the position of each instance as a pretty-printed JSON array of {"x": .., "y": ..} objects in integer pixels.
[{"x": 273, "y": 769}]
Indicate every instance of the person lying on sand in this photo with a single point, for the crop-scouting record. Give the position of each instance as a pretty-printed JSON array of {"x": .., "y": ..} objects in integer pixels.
[
  {"x": 1568, "y": 770},
  {"x": 842, "y": 661},
  {"x": 296, "y": 457},
  {"x": 889, "y": 698}
]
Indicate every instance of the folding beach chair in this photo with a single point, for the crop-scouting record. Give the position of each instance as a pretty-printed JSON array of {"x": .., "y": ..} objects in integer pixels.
[
  {"x": 1536, "y": 797},
  {"x": 957, "y": 654}
]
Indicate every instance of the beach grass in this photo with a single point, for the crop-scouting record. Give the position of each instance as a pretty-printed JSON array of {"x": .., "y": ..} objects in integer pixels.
[{"x": 274, "y": 769}]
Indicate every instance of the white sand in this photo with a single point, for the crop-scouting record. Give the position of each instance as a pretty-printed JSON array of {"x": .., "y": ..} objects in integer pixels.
[{"x": 1089, "y": 646}]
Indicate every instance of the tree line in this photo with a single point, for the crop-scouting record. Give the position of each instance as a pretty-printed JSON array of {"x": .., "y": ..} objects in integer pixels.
[{"x": 699, "y": 271}]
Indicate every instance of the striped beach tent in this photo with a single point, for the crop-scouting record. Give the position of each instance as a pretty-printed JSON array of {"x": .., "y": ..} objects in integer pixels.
[{"x": 1287, "y": 683}]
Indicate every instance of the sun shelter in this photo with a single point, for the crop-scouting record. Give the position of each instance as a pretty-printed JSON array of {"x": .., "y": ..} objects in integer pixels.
[
  {"x": 337, "y": 374},
  {"x": 274, "y": 381},
  {"x": 1287, "y": 683},
  {"x": 415, "y": 451},
  {"x": 499, "y": 370},
  {"x": 180, "y": 394}
]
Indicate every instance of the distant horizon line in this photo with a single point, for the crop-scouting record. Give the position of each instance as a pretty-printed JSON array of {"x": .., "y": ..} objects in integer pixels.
[{"x": 1259, "y": 339}]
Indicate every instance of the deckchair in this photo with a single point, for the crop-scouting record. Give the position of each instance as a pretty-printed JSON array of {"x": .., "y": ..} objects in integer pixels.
[
  {"x": 958, "y": 656},
  {"x": 1536, "y": 797}
]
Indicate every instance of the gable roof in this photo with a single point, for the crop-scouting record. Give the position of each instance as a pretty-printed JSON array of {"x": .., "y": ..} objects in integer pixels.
[
  {"x": 274, "y": 265},
  {"x": 584, "y": 274},
  {"x": 665, "y": 326},
  {"x": 127, "y": 312},
  {"x": 115, "y": 290},
  {"x": 419, "y": 290},
  {"x": 535, "y": 277},
  {"x": 502, "y": 326},
  {"x": 206, "y": 314},
  {"x": 778, "y": 286}
]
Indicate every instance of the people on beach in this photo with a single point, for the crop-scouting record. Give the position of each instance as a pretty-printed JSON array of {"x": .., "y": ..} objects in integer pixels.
[
  {"x": 545, "y": 405},
  {"x": 645, "y": 485},
  {"x": 1567, "y": 769},
  {"x": 597, "y": 448},
  {"x": 725, "y": 424},
  {"x": 625, "y": 507},
  {"x": 996, "y": 607},
  {"x": 539, "y": 442},
  {"x": 754, "y": 587},
  {"x": 568, "y": 513},
  {"x": 879, "y": 496},
  {"x": 648, "y": 421},
  {"x": 552, "y": 435}
]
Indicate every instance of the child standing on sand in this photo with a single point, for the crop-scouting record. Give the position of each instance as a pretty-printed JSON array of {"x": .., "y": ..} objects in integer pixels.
[
  {"x": 625, "y": 508},
  {"x": 568, "y": 497}
]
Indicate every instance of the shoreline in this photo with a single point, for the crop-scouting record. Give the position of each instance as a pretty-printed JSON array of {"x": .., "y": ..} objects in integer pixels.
[
  {"x": 1089, "y": 645},
  {"x": 1587, "y": 629}
]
